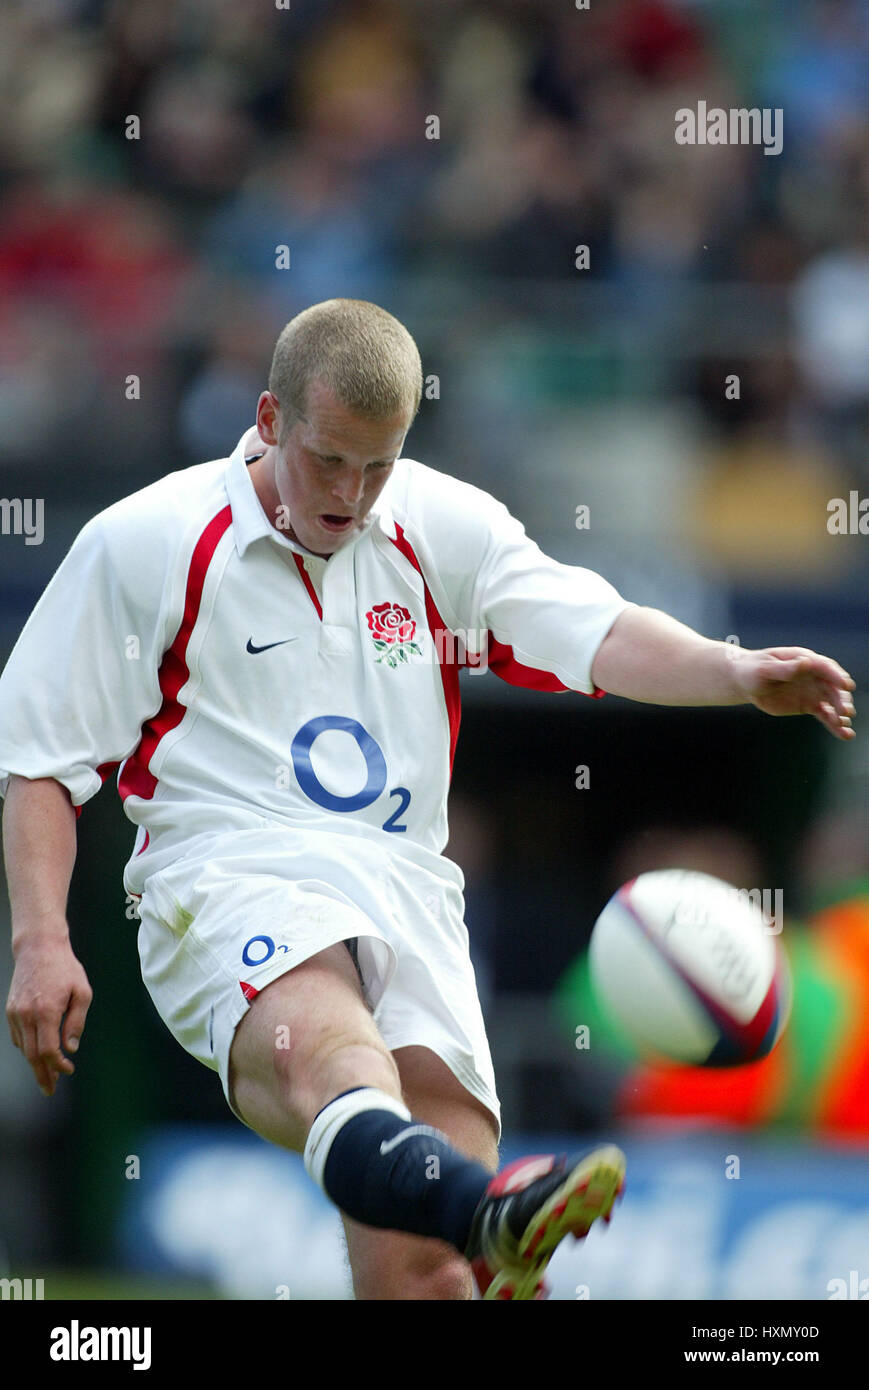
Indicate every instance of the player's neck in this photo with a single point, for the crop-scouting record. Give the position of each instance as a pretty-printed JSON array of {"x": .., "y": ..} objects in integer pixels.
[{"x": 262, "y": 475}]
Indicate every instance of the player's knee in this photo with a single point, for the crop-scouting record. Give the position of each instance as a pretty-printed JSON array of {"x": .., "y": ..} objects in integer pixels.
[{"x": 334, "y": 1062}]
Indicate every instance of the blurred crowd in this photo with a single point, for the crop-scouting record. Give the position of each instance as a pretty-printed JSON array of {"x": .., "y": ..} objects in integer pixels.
[{"x": 447, "y": 161}]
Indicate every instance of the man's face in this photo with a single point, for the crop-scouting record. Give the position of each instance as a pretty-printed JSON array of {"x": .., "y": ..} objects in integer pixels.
[{"x": 329, "y": 471}]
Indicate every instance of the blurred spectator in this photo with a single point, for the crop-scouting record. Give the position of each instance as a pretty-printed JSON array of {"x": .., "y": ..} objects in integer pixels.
[
  {"x": 819, "y": 74},
  {"x": 219, "y": 402},
  {"x": 831, "y": 312},
  {"x": 312, "y": 205},
  {"x": 109, "y": 256}
]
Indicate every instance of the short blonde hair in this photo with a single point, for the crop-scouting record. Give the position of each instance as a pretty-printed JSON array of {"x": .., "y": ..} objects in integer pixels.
[{"x": 355, "y": 348}]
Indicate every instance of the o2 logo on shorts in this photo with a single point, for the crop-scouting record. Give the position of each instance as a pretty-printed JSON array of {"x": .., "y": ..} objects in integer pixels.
[
  {"x": 375, "y": 763},
  {"x": 260, "y": 949}
]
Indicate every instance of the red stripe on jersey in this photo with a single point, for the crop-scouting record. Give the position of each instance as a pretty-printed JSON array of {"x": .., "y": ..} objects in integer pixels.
[
  {"x": 449, "y": 668},
  {"x": 136, "y": 778},
  {"x": 306, "y": 580},
  {"x": 504, "y": 664}
]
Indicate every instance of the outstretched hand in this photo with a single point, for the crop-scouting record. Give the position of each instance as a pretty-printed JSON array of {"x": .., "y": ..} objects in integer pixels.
[{"x": 794, "y": 680}]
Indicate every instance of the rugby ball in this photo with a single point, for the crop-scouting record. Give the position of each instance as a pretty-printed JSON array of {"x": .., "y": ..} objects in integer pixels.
[{"x": 689, "y": 969}]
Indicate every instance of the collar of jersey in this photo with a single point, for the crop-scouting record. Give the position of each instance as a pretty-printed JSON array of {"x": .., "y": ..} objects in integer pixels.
[{"x": 249, "y": 521}]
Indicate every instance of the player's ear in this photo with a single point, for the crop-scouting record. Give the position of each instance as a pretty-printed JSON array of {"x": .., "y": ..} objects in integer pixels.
[{"x": 268, "y": 413}]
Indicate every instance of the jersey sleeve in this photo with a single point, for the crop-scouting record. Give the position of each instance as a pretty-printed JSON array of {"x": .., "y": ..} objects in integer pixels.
[
  {"x": 83, "y": 675},
  {"x": 535, "y": 621}
]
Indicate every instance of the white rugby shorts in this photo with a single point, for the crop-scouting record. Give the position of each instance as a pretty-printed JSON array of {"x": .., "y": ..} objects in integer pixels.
[{"x": 244, "y": 907}]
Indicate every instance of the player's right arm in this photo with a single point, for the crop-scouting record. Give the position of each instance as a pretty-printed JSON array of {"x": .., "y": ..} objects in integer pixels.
[
  {"x": 50, "y": 994},
  {"x": 80, "y": 681}
]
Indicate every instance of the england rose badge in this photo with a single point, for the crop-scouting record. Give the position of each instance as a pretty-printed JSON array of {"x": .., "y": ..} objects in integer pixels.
[{"x": 392, "y": 629}]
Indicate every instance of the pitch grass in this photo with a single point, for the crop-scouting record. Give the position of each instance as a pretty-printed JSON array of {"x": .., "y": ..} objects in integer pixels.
[{"x": 99, "y": 1285}]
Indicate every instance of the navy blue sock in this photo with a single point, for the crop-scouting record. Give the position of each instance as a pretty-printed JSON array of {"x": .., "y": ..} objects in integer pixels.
[{"x": 382, "y": 1167}]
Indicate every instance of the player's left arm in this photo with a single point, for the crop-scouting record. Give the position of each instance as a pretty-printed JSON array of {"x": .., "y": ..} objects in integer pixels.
[{"x": 650, "y": 657}]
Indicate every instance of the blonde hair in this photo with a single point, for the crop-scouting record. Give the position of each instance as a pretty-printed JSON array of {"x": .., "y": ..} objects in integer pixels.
[{"x": 355, "y": 348}]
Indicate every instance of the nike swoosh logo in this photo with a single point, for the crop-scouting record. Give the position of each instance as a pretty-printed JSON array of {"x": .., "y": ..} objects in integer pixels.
[
  {"x": 268, "y": 646},
  {"x": 406, "y": 1134}
]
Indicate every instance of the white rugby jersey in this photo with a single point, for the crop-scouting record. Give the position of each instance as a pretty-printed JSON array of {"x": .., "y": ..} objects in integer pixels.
[{"x": 234, "y": 679}]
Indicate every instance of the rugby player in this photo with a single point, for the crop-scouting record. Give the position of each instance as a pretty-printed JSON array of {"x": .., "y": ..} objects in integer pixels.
[{"x": 265, "y": 648}]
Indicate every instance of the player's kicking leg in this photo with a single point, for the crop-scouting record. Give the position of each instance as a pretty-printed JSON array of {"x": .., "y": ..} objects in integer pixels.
[
  {"x": 390, "y": 1264},
  {"x": 335, "y": 1094}
]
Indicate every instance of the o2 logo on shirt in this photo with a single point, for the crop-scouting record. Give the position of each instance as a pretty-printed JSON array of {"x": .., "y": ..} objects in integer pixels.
[{"x": 375, "y": 763}]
